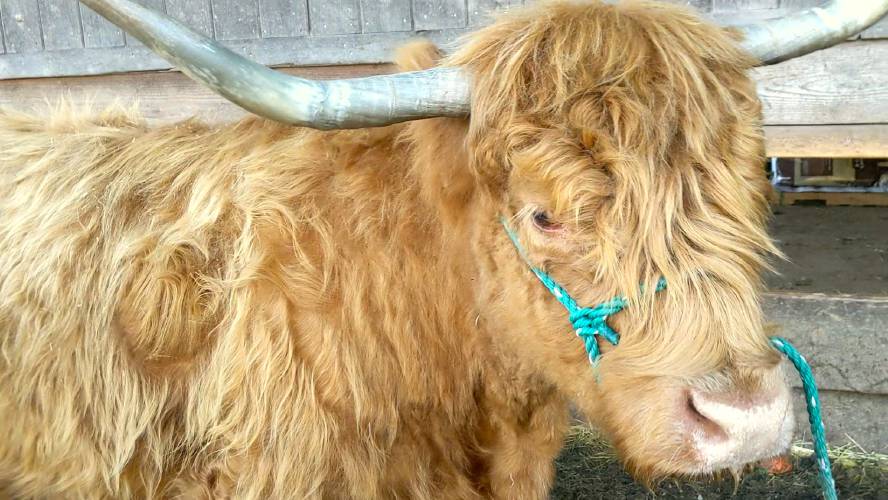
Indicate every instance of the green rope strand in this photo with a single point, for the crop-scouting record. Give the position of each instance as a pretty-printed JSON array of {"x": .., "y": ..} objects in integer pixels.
[
  {"x": 590, "y": 322},
  {"x": 812, "y": 401}
]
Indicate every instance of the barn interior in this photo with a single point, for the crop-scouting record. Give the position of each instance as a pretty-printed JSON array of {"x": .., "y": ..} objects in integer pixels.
[{"x": 825, "y": 116}]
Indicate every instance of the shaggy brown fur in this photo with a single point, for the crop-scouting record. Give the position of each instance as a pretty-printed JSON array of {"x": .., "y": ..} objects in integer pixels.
[{"x": 262, "y": 311}]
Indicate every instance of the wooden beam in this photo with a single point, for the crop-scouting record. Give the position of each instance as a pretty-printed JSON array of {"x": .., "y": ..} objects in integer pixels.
[
  {"x": 829, "y": 199},
  {"x": 47, "y": 43},
  {"x": 827, "y": 141},
  {"x": 169, "y": 96},
  {"x": 847, "y": 84},
  {"x": 314, "y": 50},
  {"x": 163, "y": 97}
]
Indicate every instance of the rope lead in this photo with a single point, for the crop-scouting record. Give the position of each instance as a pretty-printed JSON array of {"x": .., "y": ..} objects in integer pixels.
[{"x": 812, "y": 401}]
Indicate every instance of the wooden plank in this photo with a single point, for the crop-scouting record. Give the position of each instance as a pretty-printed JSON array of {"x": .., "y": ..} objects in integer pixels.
[
  {"x": 163, "y": 97},
  {"x": 845, "y": 84},
  {"x": 97, "y": 31},
  {"x": 383, "y": 16},
  {"x": 369, "y": 48},
  {"x": 842, "y": 85},
  {"x": 60, "y": 20},
  {"x": 438, "y": 14},
  {"x": 823, "y": 326},
  {"x": 236, "y": 19},
  {"x": 700, "y": 5},
  {"x": 830, "y": 199},
  {"x": 827, "y": 141},
  {"x": 193, "y": 13},
  {"x": 21, "y": 26},
  {"x": 799, "y": 4},
  {"x": 741, "y": 5},
  {"x": 151, "y": 4},
  {"x": 333, "y": 17},
  {"x": 317, "y": 49},
  {"x": 481, "y": 11},
  {"x": 838, "y": 141},
  {"x": 2, "y": 36},
  {"x": 283, "y": 18}
]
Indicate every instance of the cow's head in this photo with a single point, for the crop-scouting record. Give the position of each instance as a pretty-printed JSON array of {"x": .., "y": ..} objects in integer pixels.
[{"x": 623, "y": 143}]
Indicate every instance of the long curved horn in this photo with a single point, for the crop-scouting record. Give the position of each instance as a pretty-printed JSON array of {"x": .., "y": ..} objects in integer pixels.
[
  {"x": 811, "y": 29},
  {"x": 331, "y": 104}
]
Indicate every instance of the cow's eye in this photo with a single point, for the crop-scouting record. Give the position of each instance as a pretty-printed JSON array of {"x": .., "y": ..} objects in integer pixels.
[{"x": 543, "y": 222}]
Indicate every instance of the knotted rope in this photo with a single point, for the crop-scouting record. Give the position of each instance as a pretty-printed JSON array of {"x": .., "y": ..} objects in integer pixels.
[
  {"x": 591, "y": 322},
  {"x": 588, "y": 322}
]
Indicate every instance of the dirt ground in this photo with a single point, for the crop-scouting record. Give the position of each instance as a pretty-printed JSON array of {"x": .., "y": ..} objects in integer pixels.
[
  {"x": 831, "y": 250},
  {"x": 588, "y": 469}
]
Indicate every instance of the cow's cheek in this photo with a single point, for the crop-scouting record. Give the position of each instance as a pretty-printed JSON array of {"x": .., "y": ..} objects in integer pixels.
[{"x": 638, "y": 415}]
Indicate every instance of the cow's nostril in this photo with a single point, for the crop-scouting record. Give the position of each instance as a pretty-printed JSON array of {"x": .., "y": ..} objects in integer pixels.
[
  {"x": 699, "y": 423},
  {"x": 692, "y": 409},
  {"x": 729, "y": 429}
]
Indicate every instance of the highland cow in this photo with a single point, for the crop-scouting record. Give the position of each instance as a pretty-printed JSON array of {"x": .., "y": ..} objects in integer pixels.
[{"x": 257, "y": 310}]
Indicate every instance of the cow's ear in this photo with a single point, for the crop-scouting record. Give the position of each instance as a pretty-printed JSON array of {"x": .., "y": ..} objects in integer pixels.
[{"x": 417, "y": 55}]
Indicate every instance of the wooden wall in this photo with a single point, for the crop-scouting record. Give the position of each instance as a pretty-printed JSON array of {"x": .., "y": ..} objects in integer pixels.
[
  {"x": 831, "y": 103},
  {"x": 63, "y": 38}
]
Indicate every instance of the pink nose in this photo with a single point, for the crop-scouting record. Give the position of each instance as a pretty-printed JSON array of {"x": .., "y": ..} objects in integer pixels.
[{"x": 729, "y": 431}]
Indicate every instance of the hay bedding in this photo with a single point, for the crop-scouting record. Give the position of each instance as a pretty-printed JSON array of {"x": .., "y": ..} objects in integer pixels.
[{"x": 588, "y": 469}]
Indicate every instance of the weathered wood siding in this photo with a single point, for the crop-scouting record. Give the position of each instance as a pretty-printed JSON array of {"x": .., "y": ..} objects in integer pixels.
[
  {"x": 830, "y": 103},
  {"x": 43, "y": 38}
]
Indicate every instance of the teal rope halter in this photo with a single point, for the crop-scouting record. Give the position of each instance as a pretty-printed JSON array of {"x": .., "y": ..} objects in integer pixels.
[
  {"x": 591, "y": 322},
  {"x": 588, "y": 322}
]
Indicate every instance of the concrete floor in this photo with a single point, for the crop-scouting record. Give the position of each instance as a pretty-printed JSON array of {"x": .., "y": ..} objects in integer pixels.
[{"x": 833, "y": 250}]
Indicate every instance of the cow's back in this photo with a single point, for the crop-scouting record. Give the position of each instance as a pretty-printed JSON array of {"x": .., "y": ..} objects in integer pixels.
[
  {"x": 185, "y": 307},
  {"x": 113, "y": 250}
]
